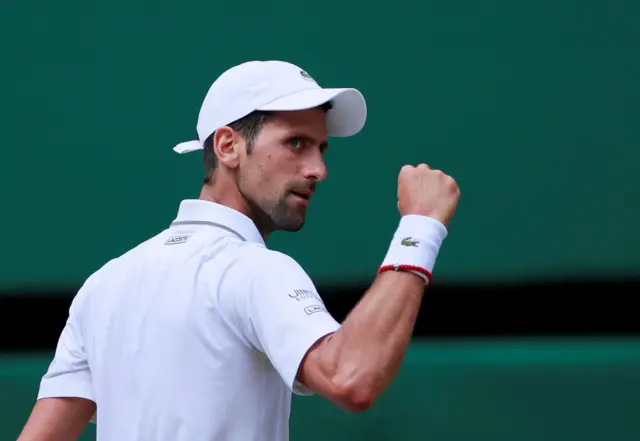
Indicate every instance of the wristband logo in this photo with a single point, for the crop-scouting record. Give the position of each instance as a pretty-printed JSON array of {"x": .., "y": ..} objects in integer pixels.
[{"x": 409, "y": 242}]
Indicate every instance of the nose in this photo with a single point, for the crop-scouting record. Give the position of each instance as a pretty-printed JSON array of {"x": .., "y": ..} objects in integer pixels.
[{"x": 315, "y": 167}]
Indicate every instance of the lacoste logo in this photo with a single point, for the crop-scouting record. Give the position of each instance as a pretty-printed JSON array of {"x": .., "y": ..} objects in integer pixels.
[
  {"x": 409, "y": 242},
  {"x": 306, "y": 76},
  {"x": 176, "y": 240},
  {"x": 313, "y": 309}
]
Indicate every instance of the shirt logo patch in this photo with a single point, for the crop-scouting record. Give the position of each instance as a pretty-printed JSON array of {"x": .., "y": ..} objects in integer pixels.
[
  {"x": 313, "y": 309},
  {"x": 176, "y": 240},
  {"x": 304, "y": 294}
]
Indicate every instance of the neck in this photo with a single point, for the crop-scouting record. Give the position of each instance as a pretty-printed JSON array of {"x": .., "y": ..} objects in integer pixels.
[{"x": 229, "y": 196}]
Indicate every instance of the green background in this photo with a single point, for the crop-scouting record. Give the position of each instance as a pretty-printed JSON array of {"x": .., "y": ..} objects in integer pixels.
[
  {"x": 456, "y": 391},
  {"x": 532, "y": 106}
]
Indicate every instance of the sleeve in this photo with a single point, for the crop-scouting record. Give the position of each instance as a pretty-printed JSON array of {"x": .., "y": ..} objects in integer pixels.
[
  {"x": 275, "y": 306},
  {"x": 68, "y": 374}
]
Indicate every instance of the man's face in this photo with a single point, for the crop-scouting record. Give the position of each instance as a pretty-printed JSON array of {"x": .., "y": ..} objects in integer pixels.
[{"x": 279, "y": 175}]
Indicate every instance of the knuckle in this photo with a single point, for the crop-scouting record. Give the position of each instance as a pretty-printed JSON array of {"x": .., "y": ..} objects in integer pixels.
[
  {"x": 454, "y": 187},
  {"x": 406, "y": 169}
]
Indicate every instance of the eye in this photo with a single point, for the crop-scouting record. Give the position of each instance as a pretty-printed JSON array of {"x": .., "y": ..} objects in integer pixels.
[{"x": 295, "y": 143}]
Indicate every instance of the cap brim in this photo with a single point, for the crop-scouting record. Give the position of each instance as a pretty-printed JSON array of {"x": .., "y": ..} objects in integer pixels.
[
  {"x": 188, "y": 147},
  {"x": 346, "y": 117}
]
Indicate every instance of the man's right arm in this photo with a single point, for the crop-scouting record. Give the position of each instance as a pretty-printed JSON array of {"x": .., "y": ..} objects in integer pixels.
[{"x": 354, "y": 365}]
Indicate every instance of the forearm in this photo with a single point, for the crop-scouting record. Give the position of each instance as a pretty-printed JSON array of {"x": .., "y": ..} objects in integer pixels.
[
  {"x": 357, "y": 363},
  {"x": 364, "y": 355}
]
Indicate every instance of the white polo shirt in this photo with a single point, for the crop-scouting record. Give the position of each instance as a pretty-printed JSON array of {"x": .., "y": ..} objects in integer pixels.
[{"x": 195, "y": 334}]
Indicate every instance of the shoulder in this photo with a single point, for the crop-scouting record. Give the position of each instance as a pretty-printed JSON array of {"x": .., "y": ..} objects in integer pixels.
[
  {"x": 259, "y": 268},
  {"x": 265, "y": 262},
  {"x": 97, "y": 279}
]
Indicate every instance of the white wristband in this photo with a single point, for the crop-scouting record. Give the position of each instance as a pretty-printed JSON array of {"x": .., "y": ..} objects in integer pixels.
[{"x": 415, "y": 246}]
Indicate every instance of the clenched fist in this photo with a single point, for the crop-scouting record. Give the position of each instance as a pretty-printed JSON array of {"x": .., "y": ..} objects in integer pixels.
[{"x": 427, "y": 192}]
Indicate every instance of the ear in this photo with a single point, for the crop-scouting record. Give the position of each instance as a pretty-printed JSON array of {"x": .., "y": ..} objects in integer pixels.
[{"x": 226, "y": 146}]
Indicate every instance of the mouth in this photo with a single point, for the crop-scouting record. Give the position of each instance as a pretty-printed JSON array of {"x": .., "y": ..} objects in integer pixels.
[{"x": 304, "y": 195}]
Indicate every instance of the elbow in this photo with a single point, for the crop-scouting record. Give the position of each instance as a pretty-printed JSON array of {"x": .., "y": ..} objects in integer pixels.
[
  {"x": 351, "y": 386},
  {"x": 358, "y": 404},
  {"x": 353, "y": 398}
]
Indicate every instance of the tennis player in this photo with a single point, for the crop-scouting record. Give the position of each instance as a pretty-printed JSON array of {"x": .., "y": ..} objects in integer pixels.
[{"x": 202, "y": 333}]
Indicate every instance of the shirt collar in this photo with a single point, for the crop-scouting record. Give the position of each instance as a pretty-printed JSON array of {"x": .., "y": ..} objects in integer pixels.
[{"x": 200, "y": 212}]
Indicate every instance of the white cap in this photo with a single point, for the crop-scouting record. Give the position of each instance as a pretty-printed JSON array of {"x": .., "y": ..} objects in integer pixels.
[{"x": 274, "y": 86}]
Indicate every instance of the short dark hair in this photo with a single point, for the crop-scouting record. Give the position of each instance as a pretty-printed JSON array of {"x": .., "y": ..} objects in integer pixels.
[{"x": 249, "y": 127}]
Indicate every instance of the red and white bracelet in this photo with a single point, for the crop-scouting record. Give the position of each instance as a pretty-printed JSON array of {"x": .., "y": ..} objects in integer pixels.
[{"x": 415, "y": 246}]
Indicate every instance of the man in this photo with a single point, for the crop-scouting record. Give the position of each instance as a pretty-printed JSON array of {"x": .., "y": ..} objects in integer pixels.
[{"x": 202, "y": 332}]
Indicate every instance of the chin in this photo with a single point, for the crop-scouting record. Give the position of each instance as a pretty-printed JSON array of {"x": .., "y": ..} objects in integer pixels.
[
  {"x": 291, "y": 224},
  {"x": 287, "y": 218},
  {"x": 292, "y": 227}
]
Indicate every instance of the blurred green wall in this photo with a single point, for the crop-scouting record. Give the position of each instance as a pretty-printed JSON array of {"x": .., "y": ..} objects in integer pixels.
[
  {"x": 532, "y": 106},
  {"x": 524, "y": 391}
]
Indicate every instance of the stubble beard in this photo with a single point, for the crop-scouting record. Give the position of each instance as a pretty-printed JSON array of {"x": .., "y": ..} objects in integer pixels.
[{"x": 273, "y": 213}]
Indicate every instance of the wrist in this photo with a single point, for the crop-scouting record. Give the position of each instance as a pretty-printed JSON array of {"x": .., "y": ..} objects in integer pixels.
[{"x": 415, "y": 246}]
